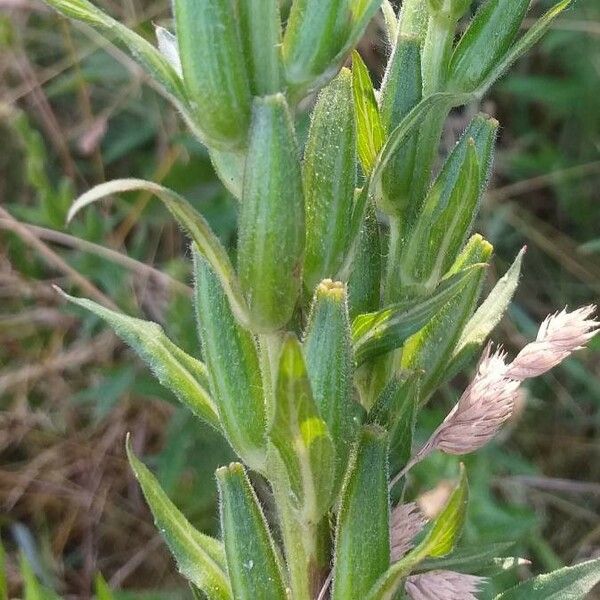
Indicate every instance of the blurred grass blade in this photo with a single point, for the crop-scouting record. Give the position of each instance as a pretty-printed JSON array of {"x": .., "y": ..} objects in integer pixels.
[
  {"x": 150, "y": 58},
  {"x": 192, "y": 222},
  {"x": 486, "y": 317},
  {"x": 370, "y": 135},
  {"x": 252, "y": 561},
  {"x": 32, "y": 588},
  {"x": 3, "y": 574},
  {"x": 234, "y": 371},
  {"x": 185, "y": 376},
  {"x": 362, "y": 542},
  {"x": 384, "y": 330},
  {"x": 438, "y": 541},
  {"x": 101, "y": 588},
  {"x": 200, "y": 558},
  {"x": 300, "y": 435},
  {"x": 568, "y": 583}
]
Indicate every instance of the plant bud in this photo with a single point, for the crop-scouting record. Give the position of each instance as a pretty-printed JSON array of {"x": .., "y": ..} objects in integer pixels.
[
  {"x": 484, "y": 43},
  {"x": 400, "y": 92},
  {"x": 233, "y": 366},
  {"x": 328, "y": 352},
  {"x": 329, "y": 175},
  {"x": 271, "y": 226},
  {"x": 260, "y": 25},
  {"x": 214, "y": 71}
]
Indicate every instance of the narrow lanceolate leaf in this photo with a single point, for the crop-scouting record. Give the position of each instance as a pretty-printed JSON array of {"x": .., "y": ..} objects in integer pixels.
[
  {"x": 32, "y": 588},
  {"x": 200, "y": 558},
  {"x": 362, "y": 541},
  {"x": 147, "y": 55},
  {"x": 260, "y": 27},
  {"x": 523, "y": 44},
  {"x": 185, "y": 376},
  {"x": 369, "y": 130},
  {"x": 391, "y": 21},
  {"x": 101, "y": 588},
  {"x": 233, "y": 366},
  {"x": 300, "y": 436},
  {"x": 486, "y": 317},
  {"x": 271, "y": 225},
  {"x": 568, "y": 583},
  {"x": 328, "y": 352},
  {"x": 329, "y": 175},
  {"x": 252, "y": 562},
  {"x": 214, "y": 69},
  {"x": 430, "y": 349},
  {"x": 400, "y": 92},
  {"x": 438, "y": 541},
  {"x": 384, "y": 330},
  {"x": 487, "y": 39},
  {"x": 191, "y": 221}
]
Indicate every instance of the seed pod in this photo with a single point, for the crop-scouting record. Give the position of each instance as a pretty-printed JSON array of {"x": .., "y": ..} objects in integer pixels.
[
  {"x": 362, "y": 541},
  {"x": 328, "y": 352},
  {"x": 214, "y": 70},
  {"x": 271, "y": 225},
  {"x": 486, "y": 40},
  {"x": 252, "y": 562},
  {"x": 329, "y": 175},
  {"x": 233, "y": 366},
  {"x": 400, "y": 92},
  {"x": 260, "y": 26},
  {"x": 315, "y": 32}
]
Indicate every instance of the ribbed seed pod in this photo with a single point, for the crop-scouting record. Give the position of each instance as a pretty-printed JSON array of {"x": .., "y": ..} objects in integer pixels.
[
  {"x": 271, "y": 226},
  {"x": 329, "y": 175},
  {"x": 400, "y": 92},
  {"x": 233, "y": 366},
  {"x": 488, "y": 37},
  {"x": 260, "y": 26},
  {"x": 214, "y": 70},
  {"x": 328, "y": 352}
]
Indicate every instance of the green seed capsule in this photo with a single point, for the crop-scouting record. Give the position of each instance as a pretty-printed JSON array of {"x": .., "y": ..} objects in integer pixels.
[
  {"x": 328, "y": 352},
  {"x": 486, "y": 40},
  {"x": 260, "y": 25},
  {"x": 329, "y": 175},
  {"x": 214, "y": 70},
  {"x": 233, "y": 366},
  {"x": 400, "y": 92},
  {"x": 271, "y": 226}
]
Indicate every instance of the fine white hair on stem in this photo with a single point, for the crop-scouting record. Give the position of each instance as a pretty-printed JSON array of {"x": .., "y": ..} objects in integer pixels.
[
  {"x": 407, "y": 521},
  {"x": 443, "y": 585},
  {"x": 559, "y": 335}
]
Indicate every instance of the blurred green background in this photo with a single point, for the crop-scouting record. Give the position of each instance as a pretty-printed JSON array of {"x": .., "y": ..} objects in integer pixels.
[{"x": 76, "y": 111}]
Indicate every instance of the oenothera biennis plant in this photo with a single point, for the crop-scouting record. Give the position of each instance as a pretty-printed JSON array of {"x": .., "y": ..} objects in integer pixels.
[{"x": 325, "y": 337}]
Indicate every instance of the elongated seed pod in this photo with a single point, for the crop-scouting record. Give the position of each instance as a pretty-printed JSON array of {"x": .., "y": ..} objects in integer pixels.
[
  {"x": 233, "y": 366},
  {"x": 329, "y": 175},
  {"x": 488, "y": 37},
  {"x": 271, "y": 226},
  {"x": 260, "y": 26},
  {"x": 214, "y": 70},
  {"x": 328, "y": 352}
]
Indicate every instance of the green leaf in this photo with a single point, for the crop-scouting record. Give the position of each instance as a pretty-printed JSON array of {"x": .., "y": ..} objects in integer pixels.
[
  {"x": 233, "y": 366},
  {"x": 329, "y": 361},
  {"x": 362, "y": 542},
  {"x": 3, "y": 581},
  {"x": 438, "y": 541},
  {"x": 272, "y": 222},
  {"x": 301, "y": 436},
  {"x": 384, "y": 330},
  {"x": 229, "y": 167},
  {"x": 185, "y": 376},
  {"x": 391, "y": 21},
  {"x": 150, "y": 58},
  {"x": 466, "y": 560},
  {"x": 252, "y": 561},
  {"x": 568, "y": 583},
  {"x": 486, "y": 317},
  {"x": 200, "y": 558},
  {"x": 102, "y": 590},
  {"x": 329, "y": 176},
  {"x": 214, "y": 70},
  {"x": 370, "y": 135},
  {"x": 32, "y": 588},
  {"x": 192, "y": 222}
]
